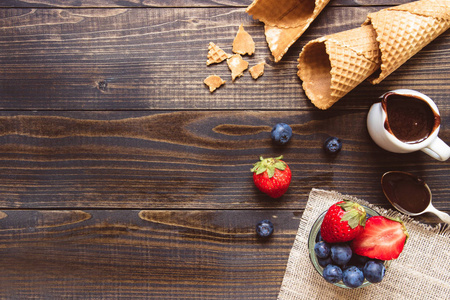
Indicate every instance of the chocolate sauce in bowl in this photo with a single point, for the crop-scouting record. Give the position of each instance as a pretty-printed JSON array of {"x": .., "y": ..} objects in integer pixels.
[
  {"x": 409, "y": 119},
  {"x": 406, "y": 191}
]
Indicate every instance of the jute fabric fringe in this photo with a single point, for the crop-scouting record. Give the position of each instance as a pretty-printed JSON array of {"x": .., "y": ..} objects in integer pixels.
[{"x": 421, "y": 272}]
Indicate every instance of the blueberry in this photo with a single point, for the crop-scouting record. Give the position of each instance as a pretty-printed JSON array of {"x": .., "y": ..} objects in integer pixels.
[
  {"x": 322, "y": 249},
  {"x": 323, "y": 262},
  {"x": 349, "y": 265},
  {"x": 281, "y": 133},
  {"x": 319, "y": 237},
  {"x": 264, "y": 228},
  {"x": 358, "y": 261},
  {"x": 332, "y": 145},
  {"x": 341, "y": 253},
  {"x": 374, "y": 271},
  {"x": 332, "y": 273},
  {"x": 353, "y": 277}
]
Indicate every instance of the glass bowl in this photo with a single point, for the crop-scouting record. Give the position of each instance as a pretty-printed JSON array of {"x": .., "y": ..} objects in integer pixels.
[{"x": 312, "y": 239}]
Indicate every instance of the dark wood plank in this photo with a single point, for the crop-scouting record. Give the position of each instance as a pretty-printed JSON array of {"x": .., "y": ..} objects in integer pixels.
[
  {"x": 143, "y": 254},
  {"x": 143, "y": 59},
  {"x": 169, "y": 3},
  {"x": 191, "y": 159},
  {"x": 129, "y": 254}
]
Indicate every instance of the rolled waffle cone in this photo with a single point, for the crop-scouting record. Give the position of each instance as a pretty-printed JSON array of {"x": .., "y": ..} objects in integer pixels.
[
  {"x": 404, "y": 30},
  {"x": 428, "y": 8},
  {"x": 285, "y": 21},
  {"x": 333, "y": 65}
]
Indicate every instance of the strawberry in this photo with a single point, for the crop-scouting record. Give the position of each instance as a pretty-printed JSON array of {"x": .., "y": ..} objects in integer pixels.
[
  {"x": 383, "y": 238},
  {"x": 272, "y": 176},
  {"x": 343, "y": 222}
]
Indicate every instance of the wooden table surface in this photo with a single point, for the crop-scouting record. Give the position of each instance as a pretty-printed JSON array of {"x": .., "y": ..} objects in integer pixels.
[{"x": 122, "y": 176}]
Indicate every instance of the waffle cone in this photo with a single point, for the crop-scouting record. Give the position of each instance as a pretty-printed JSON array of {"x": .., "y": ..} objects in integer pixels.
[
  {"x": 404, "y": 30},
  {"x": 333, "y": 65},
  {"x": 285, "y": 21},
  {"x": 281, "y": 39},
  {"x": 428, "y": 8}
]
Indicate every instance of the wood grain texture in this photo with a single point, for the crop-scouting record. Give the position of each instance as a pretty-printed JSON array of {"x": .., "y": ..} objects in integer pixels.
[
  {"x": 144, "y": 59},
  {"x": 167, "y": 3},
  {"x": 123, "y": 177},
  {"x": 135, "y": 254},
  {"x": 191, "y": 159},
  {"x": 143, "y": 254}
]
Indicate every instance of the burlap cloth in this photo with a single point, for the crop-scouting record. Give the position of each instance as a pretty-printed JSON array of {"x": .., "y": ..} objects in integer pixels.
[{"x": 421, "y": 272}]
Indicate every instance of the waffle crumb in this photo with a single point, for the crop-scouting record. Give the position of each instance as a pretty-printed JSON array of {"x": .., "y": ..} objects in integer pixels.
[
  {"x": 214, "y": 82},
  {"x": 216, "y": 54},
  {"x": 257, "y": 70},
  {"x": 237, "y": 66},
  {"x": 243, "y": 42}
]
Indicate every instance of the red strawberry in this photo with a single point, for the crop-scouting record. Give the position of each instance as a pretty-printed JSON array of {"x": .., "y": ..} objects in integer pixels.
[
  {"x": 272, "y": 176},
  {"x": 383, "y": 238},
  {"x": 343, "y": 222}
]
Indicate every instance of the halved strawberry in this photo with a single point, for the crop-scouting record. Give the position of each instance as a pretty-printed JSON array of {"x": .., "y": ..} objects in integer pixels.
[{"x": 383, "y": 238}]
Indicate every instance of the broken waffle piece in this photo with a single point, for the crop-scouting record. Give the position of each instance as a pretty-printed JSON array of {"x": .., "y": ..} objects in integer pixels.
[
  {"x": 237, "y": 66},
  {"x": 216, "y": 54},
  {"x": 285, "y": 21},
  {"x": 243, "y": 42},
  {"x": 257, "y": 70},
  {"x": 213, "y": 82}
]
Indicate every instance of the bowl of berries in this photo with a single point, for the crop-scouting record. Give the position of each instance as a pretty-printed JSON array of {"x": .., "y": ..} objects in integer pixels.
[{"x": 351, "y": 245}]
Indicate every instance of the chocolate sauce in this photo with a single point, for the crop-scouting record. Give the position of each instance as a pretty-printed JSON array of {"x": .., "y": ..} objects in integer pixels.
[
  {"x": 409, "y": 119},
  {"x": 406, "y": 191}
]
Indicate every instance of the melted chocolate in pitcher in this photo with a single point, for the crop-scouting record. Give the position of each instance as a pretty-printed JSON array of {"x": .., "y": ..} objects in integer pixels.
[{"x": 409, "y": 119}]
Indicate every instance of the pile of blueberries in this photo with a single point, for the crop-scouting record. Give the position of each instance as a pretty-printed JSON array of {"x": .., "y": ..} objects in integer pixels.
[{"x": 340, "y": 263}]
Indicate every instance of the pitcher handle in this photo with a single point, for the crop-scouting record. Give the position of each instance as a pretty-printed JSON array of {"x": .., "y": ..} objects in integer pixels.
[{"x": 438, "y": 150}]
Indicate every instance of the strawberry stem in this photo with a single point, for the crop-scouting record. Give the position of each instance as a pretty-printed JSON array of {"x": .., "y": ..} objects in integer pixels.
[
  {"x": 355, "y": 214},
  {"x": 269, "y": 165}
]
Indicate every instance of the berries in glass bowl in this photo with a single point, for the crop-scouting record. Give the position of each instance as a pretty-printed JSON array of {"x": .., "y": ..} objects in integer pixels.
[{"x": 338, "y": 264}]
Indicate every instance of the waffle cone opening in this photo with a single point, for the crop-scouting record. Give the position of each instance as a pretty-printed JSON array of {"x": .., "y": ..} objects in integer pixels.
[{"x": 315, "y": 71}]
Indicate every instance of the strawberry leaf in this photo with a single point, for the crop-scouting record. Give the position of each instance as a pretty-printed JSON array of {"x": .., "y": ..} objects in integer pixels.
[
  {"x": 354, "y": 214},
  {"x": 269, "y": 165},
  {"x": 346, "y": 205},
  {"x": 352, "y": 217},
  {"x": 260, "y": 170},
  {"x": 280, "y": 165}
]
